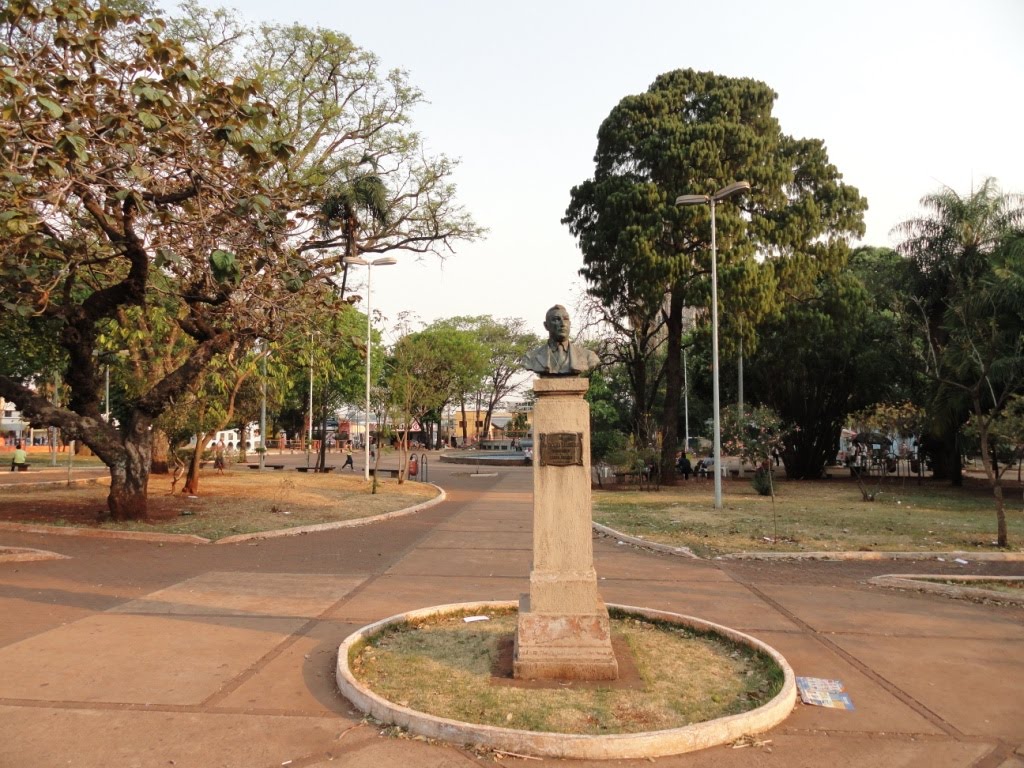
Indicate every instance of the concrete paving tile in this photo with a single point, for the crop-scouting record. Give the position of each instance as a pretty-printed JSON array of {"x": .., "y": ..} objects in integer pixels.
[
  {"x": 787, "y": 750},
  {"x": 42, "y": 588},
  {"x": 299, "y": 679},
  {"x": 31, "y": 736},
  {"x": 475, "y": 562},
  {"x": 781, "y": 750},
  {"x": 497, "y": 520},
  {"x": 33, "y": 618},
  {"x": 503, "y": 540},
  {"x": 365, "y": 748},
  {"x": 977, "y": 685},
  {"x": 626, "y": 562},
  {"x": 728, "y": 603},
  {"x": 393, "y": 594},
  {"x": 875, "y": 708},
  {"x": 246, "y": 594},
  {"x": 138, "y": 659},
  {"x": 885, "y": 612}
]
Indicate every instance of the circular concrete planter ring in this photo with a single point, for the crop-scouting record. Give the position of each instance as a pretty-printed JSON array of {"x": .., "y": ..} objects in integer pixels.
[{"x": 545, "y": 744}]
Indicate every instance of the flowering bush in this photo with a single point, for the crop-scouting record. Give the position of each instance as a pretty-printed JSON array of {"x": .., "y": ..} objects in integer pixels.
[{"x": 755, "y": 438}]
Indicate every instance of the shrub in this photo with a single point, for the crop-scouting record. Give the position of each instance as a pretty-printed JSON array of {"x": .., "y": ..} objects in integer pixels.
[{"x": 762, "y": 482}]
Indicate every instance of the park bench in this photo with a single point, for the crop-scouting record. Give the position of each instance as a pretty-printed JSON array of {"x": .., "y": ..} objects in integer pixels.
[
  {"x": 20, "y": 467},
  {"x": 314, "y": 469},
  {"x": 388, "y": 472},
  {"x": 267, "y": 466},
  {"x": 645, "y": 480}
]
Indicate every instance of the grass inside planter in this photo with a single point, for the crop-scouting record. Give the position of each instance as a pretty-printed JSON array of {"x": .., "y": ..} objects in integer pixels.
[{"x": 447, "y": 668}]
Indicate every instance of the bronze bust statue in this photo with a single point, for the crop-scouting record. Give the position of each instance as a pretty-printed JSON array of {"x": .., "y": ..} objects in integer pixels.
[{"x": 559, "y": 357}]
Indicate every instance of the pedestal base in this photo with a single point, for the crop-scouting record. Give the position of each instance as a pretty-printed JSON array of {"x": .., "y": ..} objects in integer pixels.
[{"x": 563, "y": 646}]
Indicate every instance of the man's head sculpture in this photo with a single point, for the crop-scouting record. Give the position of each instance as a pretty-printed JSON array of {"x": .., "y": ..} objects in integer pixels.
[{"x": 559, "y": 357}]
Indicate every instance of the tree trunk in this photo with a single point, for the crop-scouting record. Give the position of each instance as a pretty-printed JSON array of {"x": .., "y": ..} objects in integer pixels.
[
  {"x": 640, "y": 409},
  {"x": 403, "y": 454},
  {"x": 129, "y": 479},
  {"x": 944, "y": 451},
  {"x": 191, "y": 486},
  {"x": 161, "y": 445},
  {"x": 673, "y": 387},
  {"x": 321, "y": 458},
  {"x": 992, "y": 471}
]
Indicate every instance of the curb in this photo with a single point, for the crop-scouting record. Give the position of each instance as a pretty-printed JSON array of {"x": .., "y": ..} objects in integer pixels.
[
  {"x": 27, "y": 555},
  {"x": 103, "y": 533},
  {"x": 298, "y": 530},
  {"x": 46, "y": 483},
  {"x": 922, "y": 582},
  {"x": 188, "y": 538},
  {"x": 643, "y": 543},
  {"x": 649, "y": 744},
  {"x": 997, "y": 557}
]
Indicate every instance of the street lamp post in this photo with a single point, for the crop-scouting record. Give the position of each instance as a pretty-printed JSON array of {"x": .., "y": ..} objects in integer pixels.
[
  {"x": 711, "y": 200},
  {"x": 383, "y": 261},
  {"x": 263, "y": 413}
]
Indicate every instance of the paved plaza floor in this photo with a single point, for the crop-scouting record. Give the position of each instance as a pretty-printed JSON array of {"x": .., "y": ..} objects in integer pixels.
[{"x": 127, "y": 653}]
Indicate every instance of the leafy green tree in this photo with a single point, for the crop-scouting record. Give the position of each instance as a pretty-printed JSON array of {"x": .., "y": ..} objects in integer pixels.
[
  {"x": 444, "y": 361},
  {"x": 609, "y": 415},
  {"x": 820, "y": 360},
  {"x": 1006, "y": 436},
  {"x": 329, "y": 351},
  {"x": 631, "y": 337},
  {"x": 129, "y": 179},
  {"x": 137, "y": 176},
  {"x": 694, "y": 132},
  {"x": 504, "y": 342},
  {"x": 949, "y": 249},
  {"x": 421, "y": 375},
  {"x": 976, "y": 353},
  {"x": 754, "y": 437}
]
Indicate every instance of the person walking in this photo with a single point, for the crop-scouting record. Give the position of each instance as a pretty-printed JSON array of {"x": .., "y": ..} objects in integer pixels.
[
  {"x": 348, "y": 457},
  {"x": 218, "y": 456}
]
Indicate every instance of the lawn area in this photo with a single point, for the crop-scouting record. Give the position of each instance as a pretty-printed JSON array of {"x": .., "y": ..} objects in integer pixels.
[
  {"x": 825, "y": 515},
  {"x": 39, "y": 456},
  {"x": 675, "y": 677},
  {"x": 228, "y": 504}
]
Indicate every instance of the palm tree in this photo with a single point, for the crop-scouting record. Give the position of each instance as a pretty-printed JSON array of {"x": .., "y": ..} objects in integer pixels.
[
  {"x": 344, "y": 208},
  {"x": 949, "y": 248}
]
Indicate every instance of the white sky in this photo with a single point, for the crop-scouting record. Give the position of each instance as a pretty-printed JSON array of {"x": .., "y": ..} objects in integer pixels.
[{"x": 908, "y": 96}]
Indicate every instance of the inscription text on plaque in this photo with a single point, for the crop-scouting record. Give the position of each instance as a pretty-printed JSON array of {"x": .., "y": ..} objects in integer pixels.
[{"x": 561, "y": 449}]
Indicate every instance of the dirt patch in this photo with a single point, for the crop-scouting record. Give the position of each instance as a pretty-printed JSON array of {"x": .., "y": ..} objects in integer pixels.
[
  {"x": 79, "y": 507},
  {"x": 228, "y": 504}
]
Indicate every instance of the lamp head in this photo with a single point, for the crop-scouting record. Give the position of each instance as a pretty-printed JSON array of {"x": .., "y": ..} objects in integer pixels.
[
  {"x": 732, "y": 189},
  {"x": 692, "y": 200}
]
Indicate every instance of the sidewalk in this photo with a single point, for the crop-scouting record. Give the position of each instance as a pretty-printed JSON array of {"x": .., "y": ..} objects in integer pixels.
[{"x": 142, "y": 654}]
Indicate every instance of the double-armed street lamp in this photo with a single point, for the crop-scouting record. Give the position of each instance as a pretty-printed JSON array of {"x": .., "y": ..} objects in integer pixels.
[
  {"x": 383, "y": 261},
  {"x": 711, "y": 200}
]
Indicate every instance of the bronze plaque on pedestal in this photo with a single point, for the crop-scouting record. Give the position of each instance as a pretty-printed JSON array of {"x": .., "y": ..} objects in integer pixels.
[{"x": 561, "y": 449}]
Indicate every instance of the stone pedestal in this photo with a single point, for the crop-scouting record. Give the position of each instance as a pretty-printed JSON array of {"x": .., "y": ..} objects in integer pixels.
[{"x": 563, "y": 631}]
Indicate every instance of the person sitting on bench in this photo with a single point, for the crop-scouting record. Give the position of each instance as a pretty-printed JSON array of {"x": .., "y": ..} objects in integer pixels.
[{"x": 20, "y": 460}]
